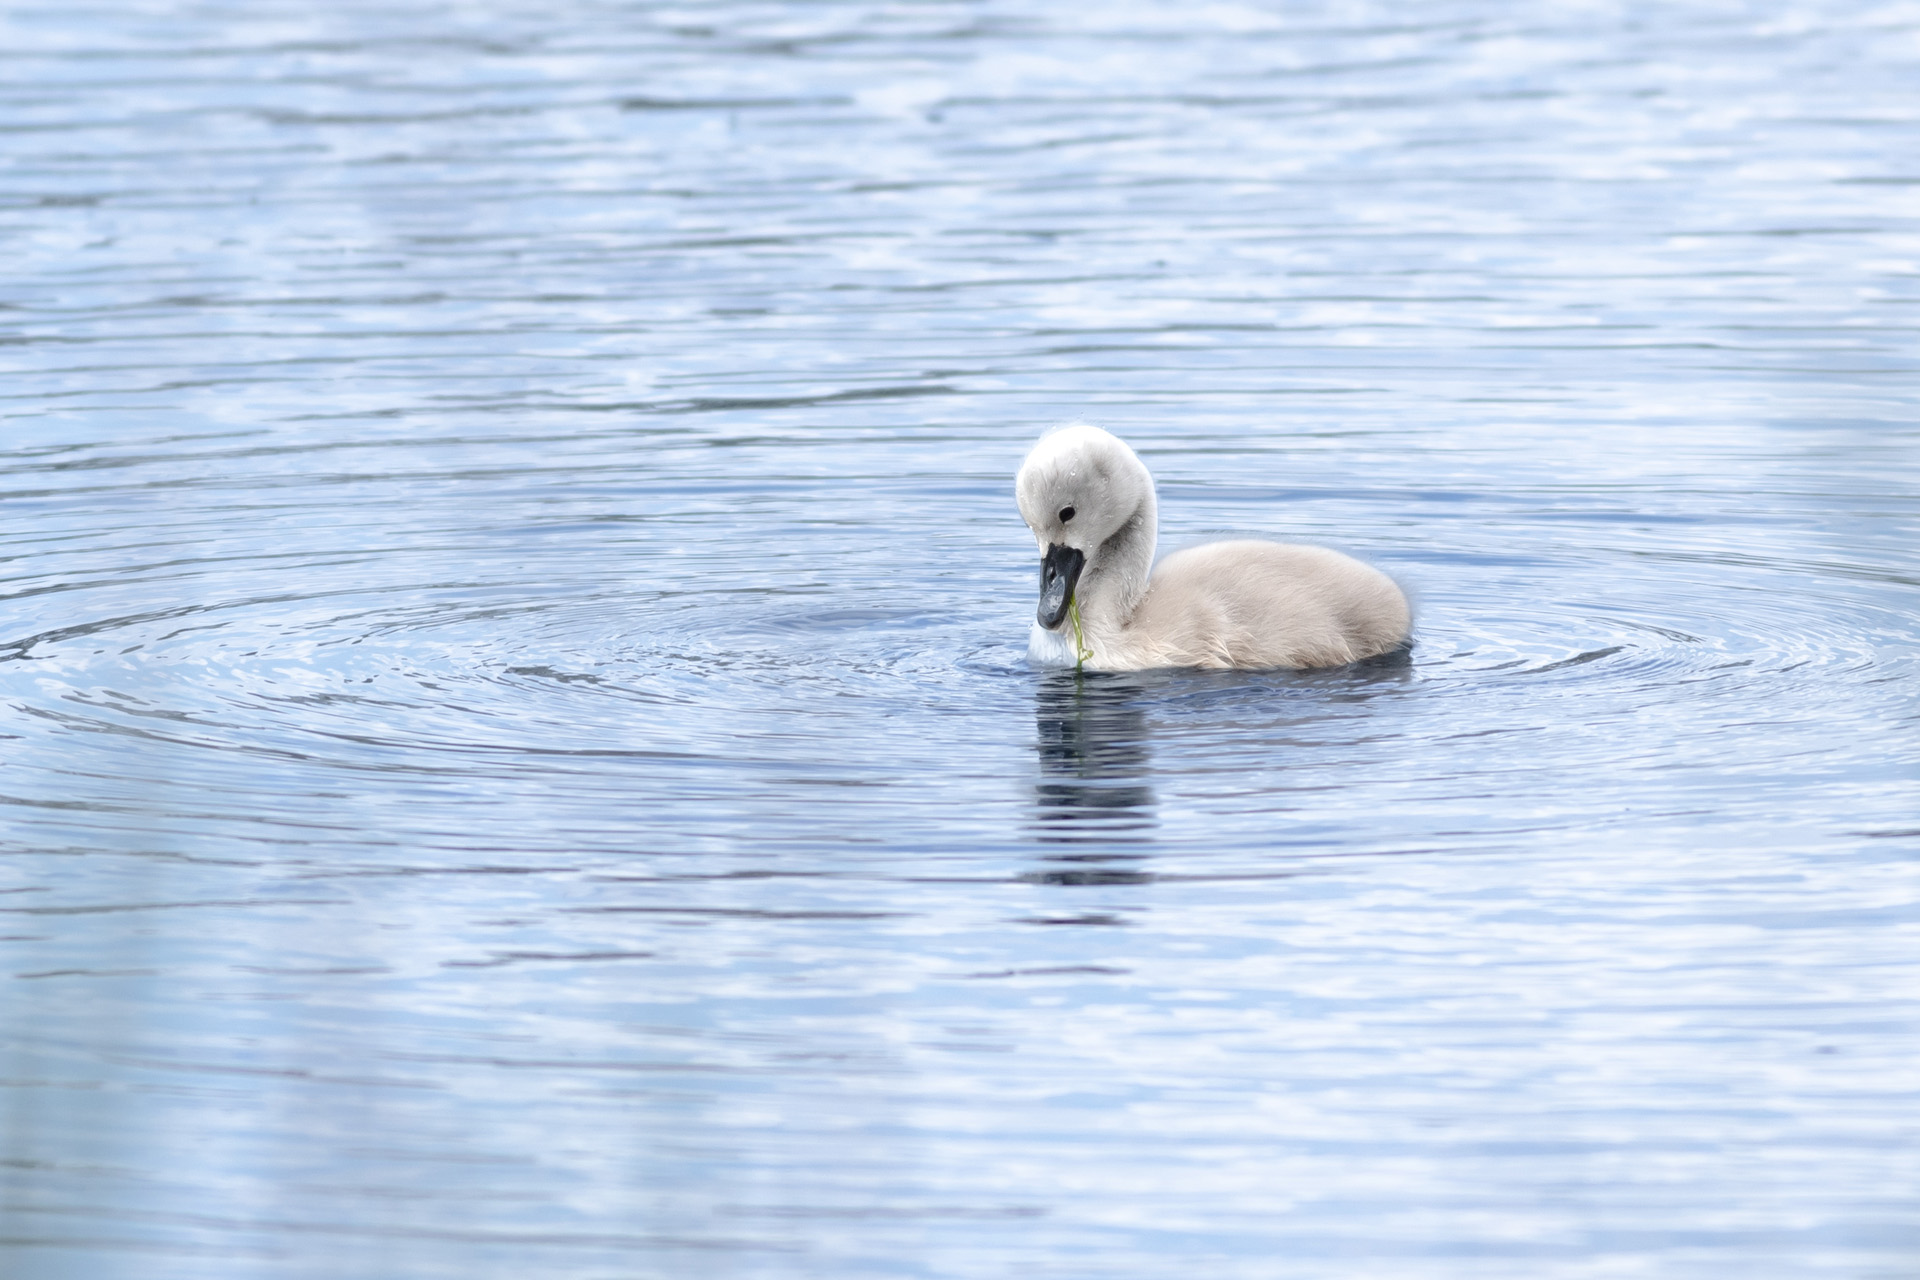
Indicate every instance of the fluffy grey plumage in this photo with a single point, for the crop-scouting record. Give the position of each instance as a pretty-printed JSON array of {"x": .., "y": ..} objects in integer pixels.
[{"x": 1090, "y": 503}]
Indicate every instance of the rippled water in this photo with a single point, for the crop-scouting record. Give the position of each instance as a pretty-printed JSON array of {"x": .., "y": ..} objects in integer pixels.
[{"x": 519, "y": 759}]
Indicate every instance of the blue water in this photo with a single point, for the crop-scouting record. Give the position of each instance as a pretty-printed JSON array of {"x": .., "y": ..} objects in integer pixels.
[{"x": 518, "y": 753}]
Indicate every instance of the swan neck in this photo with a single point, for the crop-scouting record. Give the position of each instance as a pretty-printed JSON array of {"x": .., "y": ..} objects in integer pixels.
[{"x": 1116, "y": 574}]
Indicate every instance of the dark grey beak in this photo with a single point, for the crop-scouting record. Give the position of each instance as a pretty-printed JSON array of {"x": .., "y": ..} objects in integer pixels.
[{"x": 1059, "y": 570}]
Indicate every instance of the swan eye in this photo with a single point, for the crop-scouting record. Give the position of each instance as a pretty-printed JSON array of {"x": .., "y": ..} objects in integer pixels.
[{"x": 1066, "y": 514}]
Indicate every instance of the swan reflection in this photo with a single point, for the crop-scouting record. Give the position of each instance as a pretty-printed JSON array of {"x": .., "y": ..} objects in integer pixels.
[{"x": 1091, "y": 737}]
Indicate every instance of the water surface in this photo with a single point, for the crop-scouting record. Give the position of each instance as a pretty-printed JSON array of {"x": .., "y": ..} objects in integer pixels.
[{"x": 519, "y": 758}]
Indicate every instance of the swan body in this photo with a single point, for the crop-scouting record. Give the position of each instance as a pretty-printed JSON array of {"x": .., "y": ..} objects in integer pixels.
[{"x": 1104, "y": 604}]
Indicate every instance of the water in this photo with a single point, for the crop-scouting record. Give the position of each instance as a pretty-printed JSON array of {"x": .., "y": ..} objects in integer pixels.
[{"x": 518, "y": 754}]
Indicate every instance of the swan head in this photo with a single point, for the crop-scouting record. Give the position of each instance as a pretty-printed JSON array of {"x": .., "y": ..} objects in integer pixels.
[{"x": 1078, "y": 488}]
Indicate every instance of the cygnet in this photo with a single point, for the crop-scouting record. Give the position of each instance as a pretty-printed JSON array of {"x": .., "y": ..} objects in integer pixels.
[{"x": 1104, "y": 604}]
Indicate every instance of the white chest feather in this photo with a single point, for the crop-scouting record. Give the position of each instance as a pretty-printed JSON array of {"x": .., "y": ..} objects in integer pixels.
[{"x": 1049, "y": 648}]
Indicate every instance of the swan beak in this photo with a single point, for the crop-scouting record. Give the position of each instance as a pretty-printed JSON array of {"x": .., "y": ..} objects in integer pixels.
[{"x": 1059, "y": 571}]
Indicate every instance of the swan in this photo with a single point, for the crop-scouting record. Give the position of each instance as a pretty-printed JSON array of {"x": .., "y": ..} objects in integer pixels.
[{"x": 1104, "y": 604}]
